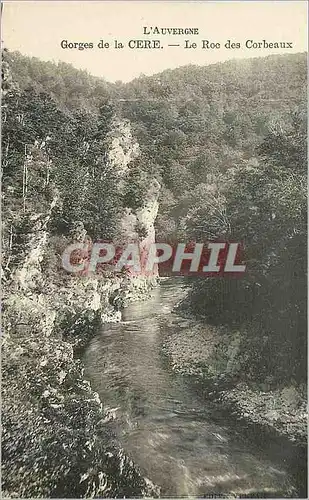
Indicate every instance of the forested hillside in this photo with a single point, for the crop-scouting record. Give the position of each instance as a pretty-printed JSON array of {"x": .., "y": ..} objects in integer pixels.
[
  {"x": 71, "y": 88},
  {"x": 195, "y": 123},
  {"x": 227, "y": 142},
  {"x": 223, "y": 150}
]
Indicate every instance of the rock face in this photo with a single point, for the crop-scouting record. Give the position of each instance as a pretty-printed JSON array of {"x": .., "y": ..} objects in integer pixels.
[
  {"x": 136, "y": 225},
  {"x": 29, "y": 274},
  {"x": 139, "y": 227},
  {"x": 122, "y": 148}
]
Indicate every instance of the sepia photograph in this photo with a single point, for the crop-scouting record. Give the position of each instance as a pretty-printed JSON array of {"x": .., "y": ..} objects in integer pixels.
[{"x": 154, "y": 249}]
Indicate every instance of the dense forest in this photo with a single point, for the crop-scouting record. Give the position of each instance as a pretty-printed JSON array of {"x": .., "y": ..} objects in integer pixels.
[
  {"x": 226, "y": 143},
  {"x": 229, "y": 144}
]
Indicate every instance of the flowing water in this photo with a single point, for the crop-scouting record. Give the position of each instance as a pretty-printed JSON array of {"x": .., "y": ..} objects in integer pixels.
[{"x": 180, "y": 440}]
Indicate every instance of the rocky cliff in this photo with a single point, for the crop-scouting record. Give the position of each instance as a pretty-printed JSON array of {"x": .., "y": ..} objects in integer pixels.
[{"x": 55, "y": 435}]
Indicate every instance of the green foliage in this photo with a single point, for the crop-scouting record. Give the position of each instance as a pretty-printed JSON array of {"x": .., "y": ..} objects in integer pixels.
[
  {"x": 49, "y": 152},
  {"x": 71, "y": 88},
  {"x": 265, "y": 208},
  {"x": 137, "y": 184}
]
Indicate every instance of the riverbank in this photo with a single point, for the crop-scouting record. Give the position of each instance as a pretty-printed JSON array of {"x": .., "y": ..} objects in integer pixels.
[
  {"x": 55, "y": 441},
  {"x": 211, "y": 355},
  {"x": 183, "y": 441}
]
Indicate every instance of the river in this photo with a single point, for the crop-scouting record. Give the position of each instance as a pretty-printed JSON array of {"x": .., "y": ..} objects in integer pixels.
[{"x": 180, "y": 440}]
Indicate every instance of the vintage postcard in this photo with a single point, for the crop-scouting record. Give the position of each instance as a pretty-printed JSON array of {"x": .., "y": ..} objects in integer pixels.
[{"x": 154, "y": 249}]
